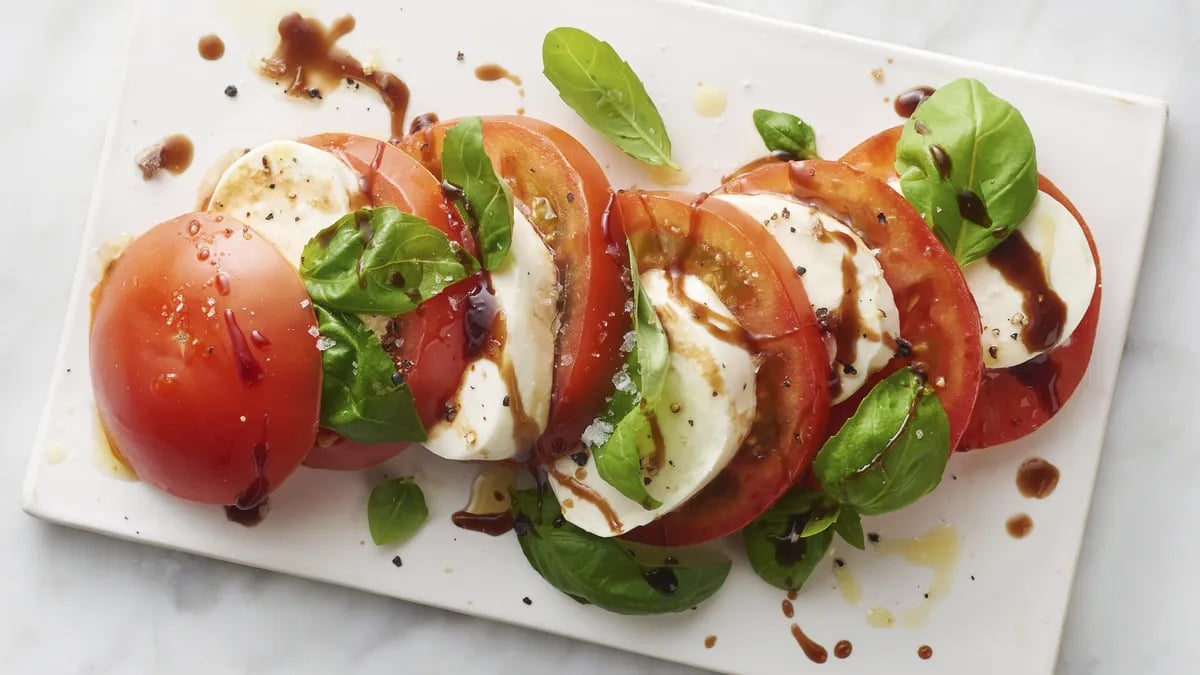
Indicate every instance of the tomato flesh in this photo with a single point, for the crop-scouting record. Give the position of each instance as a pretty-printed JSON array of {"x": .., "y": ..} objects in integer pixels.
[
  {"x": 938, "y": 317},
  {"x": 207, "y": 378},
  {"x": 563, "y": 191},
  {"x": 1013, "y": 402},
  {"x": 751, "y": 274}
]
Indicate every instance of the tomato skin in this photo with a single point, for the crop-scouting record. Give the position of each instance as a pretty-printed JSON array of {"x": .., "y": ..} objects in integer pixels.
[
  {"x": 758, "y": 283},
  {"x": 542, "y": 162},
  {"x": 1012, "y": 402},
  {"x": 432, "y": 339},
  {"x": 938, "y": 315},
  {"x": 190, "y": 394}
]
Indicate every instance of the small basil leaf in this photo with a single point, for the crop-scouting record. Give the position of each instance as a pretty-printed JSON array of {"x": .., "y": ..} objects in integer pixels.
[
  {"x": 487, "y": 201},
  {"x": 821, "y": 519},
  {"x": 775, "y": 544},
  {"x": 381, "y": 261},
  {"x": 966, "y": 161},
  {"x": 849, "y": 528},
  {"x": 361, "y": 396},
  {"x": 602, "y": 571},
  {"x": 892, "y": 452},
  {"x": 395, "y": 510},
  {"x": 786, "y": 135},
  {"x": 601, "y": 88},
  {"x": 653, "y": 353},
  {"x": 640, "y": 385}
]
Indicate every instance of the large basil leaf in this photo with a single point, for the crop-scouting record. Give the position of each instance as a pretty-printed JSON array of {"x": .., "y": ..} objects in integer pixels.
[
  {"x": 892, "y": 452},
  {"x": 381, "y": 261},
  {"x": 603, "y": 572},
  {"x": 601, "y": 88},
  {"x": 619, "y": 458},
  {"x": 966, "y": 161},
  {"x": 362, "y": 396},
  {"x": 486, "y": 200},
  {"x": 785, "y": 135},
  {"x": 395, "y": 510},
  {"x": 779, "y": 551}
]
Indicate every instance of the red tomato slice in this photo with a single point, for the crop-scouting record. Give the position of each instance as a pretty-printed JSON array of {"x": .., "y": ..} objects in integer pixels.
[
  {"x": 429, "y": 343},
  {"x": 564, "y": 192},
  {"x": 938, "y": 316},
  {"x": 207, "y": 379},
  {"x": 1013, "y": 402},
  {"x": 753, "y": 277}
]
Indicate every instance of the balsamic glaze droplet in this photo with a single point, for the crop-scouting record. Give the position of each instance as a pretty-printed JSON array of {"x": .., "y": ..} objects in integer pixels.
[{"x": 662, "y": 579}]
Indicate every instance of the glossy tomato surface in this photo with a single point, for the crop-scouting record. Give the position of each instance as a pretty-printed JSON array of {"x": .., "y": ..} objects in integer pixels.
[
  {"x": 751, "y": 274},
  {"x": 204, "y": 364},
  {"x": 429, "y": 343},
  {"x": 938, "y": 317},
  {"x": 1013, "y": 402},
  {"x": 564, "y": 192}
]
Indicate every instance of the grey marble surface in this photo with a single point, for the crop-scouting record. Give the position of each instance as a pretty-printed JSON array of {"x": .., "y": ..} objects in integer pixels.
[{"x": 72, "y": 602}]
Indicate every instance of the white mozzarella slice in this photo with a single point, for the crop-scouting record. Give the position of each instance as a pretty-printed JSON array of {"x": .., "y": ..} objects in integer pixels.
[
  {"x": 1066, "y": 260},
  {"x": 288, "y": 192},
  {"x": 706, "y": 411},
  {"x": 826, "y": 251},
  {"x": 502, "y": 405}
]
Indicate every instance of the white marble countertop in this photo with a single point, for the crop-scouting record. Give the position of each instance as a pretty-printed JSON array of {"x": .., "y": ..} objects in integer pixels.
[{"x": 72, "y": 602}]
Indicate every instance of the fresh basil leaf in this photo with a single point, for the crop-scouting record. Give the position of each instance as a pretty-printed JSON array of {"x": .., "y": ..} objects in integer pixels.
[
  {"x": 892, "y": 452},
  {"x": 619, "y": 458},
  {"x": 849, "y": 528},
  {"x": 821, "y": 519},
  {"x": 776, "y": 546},
  {"x": 487, "y": 201},
  {"x": 362, "y": 396},
  {"x": 395, "y": 510},
  {"x": 603, "y": 572},
  {"x": 786, "y": 135},
  {"x": 653, "y": 352},
  {"x": 601, "y": 88},
  {"x": 381, "y": 261},
  {"x": 966, "y": 161}
]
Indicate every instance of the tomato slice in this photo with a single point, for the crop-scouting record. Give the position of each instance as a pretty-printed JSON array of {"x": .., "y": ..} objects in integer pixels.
[
  {"x": 564, "y": 192},
  {"x": 1013, "y": 402},
  {"x": 753, "y": 277},
  {"x": 938, "y": 316},
  {"x": 429, "y": 343},
  {"x": 207, "y": 379}
]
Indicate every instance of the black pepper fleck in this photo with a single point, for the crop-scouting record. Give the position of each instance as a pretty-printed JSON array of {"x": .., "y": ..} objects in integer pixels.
[
  {"x": 849, "y": 369},
  {"x": 903, "y": 347},
  {"x": 570, "y": 197},
  {"x": 460, "y": 56},
  {"x": 526, "y": 600},
  {"x": 580, "y": 458},
  {"x": 993, "y": 351},
  {"x": 800, "y": 271},
  {"x": 271, "y": 216},
  {"x": 505, "y": 402},
  {"x": 449, "y": 413},
  {"x": 839, "y": 562},
  {"x": 314, "y": 93},
  {"x": 231, "y": 91},
  {"x": 397, "y": 561},
  {"x": 873, "y": 537},
  {"x": 882, "y": 218}
]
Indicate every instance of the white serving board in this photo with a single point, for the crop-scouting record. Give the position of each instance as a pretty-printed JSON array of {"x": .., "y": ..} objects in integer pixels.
[{"x": 1005, "y": 610}]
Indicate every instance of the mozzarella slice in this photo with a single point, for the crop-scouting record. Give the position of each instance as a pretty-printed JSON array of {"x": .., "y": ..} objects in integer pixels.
[
  {"x": 707, "y": 409},
  {"x": 287, "y": 192},
  {"x": 503, "y": 402},
  {"x": 834, "y": 263},
  {"x": 1066, "y": 260}
]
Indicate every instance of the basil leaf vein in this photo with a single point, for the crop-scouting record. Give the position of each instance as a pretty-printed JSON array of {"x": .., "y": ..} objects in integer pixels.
[
  {"x": 488, "y": 199},
  {"x": 361, "y": 396},
  {"x": 967, "y": 162},
  {"x": 602, "y": 88},
  {"x": 395, "y": 510},
  {"x": 786, "y": 135},
  {"x": 602, "y": 572},
  {"x": 779, "y": 551},
  {"x": 381, "y": 261},
  {"x": 891, "y": 452}
]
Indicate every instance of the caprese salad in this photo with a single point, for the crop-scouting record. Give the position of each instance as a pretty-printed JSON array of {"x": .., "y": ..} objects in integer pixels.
[{"x": 801, "y": 346}]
